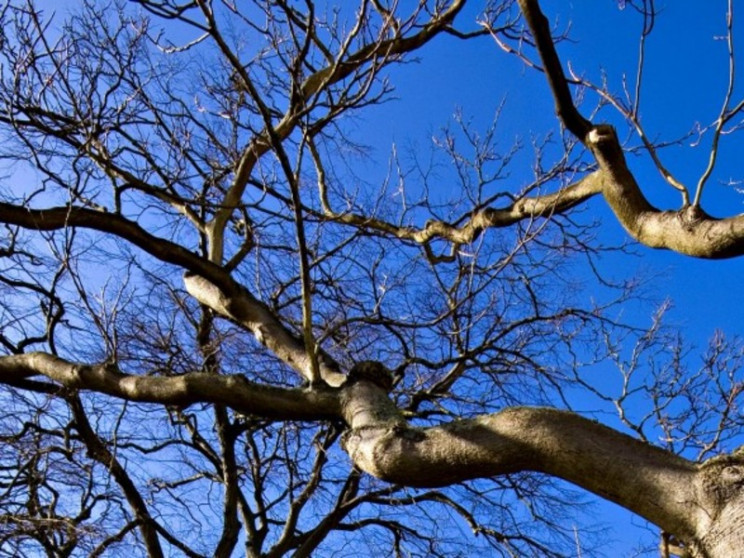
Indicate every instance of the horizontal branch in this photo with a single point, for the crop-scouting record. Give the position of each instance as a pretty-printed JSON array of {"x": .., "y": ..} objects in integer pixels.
[
  {"x": 234, "y": 390},
  {"x": 654, "y": 483},
  {"x": 489, "y": 217}
]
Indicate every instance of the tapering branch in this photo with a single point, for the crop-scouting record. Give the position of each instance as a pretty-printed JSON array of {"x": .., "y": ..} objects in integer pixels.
[
  {"x": 726, "y": 113},
  {"x": 488, "y": 217},
  {"x": 564, "y": 105},
  {"x": 234, "y": 391}
]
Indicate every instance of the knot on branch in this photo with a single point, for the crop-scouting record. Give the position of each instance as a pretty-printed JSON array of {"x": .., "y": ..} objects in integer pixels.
[
  {"x": 604, "y": 145},
  {"x": 601, "y": 134},
  {"x": 723, "y": 479},
  {"x": 372, "y": 371},
  {"x": 406, "y": 432},
  {"x": 692, "y": 215}
]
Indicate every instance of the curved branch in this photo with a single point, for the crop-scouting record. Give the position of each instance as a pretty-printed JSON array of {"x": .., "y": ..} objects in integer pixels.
[
  {"x": 647, "y": 480},
  {"x": 689, "y": 231},
  {"x": 57, "y": 218},
  {"x": 480, "y": 220}
]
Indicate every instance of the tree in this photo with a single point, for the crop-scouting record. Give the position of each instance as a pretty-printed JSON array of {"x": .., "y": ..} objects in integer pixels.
[{"x": 224, "y": 331}]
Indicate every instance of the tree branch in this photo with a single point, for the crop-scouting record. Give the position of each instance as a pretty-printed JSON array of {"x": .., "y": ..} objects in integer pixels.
[
  {"x": 209, "y": 283},
  {"x": 652, "y": 482},
  {"x": 564, "y": 105},
  {"x": 242, "y": 308},
  {"x": 689, "y": 231},
  {"x": 480, "y": 220},
  {"x": 98, "y": 451},
  {"x": 312, "y": 85},
  {"x": 237, "y": 392}
]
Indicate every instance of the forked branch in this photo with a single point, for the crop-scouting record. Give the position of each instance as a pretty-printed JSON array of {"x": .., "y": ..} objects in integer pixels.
[{"x": 688, "y": 231}]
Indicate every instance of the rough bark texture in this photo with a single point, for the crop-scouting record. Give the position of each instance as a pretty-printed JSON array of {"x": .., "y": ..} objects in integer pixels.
[{"x": 702, "y": 506}]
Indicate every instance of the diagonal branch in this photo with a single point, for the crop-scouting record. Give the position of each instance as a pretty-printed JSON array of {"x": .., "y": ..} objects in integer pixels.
[
  {"x": 209, "y": 283},
  {"x": 97, "y": 450},
  {"x": 242, "y": 308},
  {"x": 564, "y": 105}
]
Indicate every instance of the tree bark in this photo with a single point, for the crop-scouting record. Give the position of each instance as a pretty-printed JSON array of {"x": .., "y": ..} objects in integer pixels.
[
  {"x": 690, "y": 230},
  {"x": 701, "y": 505}
]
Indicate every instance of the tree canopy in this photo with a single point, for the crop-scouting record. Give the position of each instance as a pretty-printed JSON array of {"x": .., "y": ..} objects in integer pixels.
[{"x": 238, "y": 318}]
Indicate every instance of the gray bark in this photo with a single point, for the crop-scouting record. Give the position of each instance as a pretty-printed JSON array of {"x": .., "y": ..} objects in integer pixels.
[{"x": 702, "y": 506}]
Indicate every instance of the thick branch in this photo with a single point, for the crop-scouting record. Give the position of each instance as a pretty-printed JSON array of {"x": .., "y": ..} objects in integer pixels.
[
  {"x": 235, "y": 391},
  {"x": 654, "y": 483},
  {"x": 649, "y": 481}
]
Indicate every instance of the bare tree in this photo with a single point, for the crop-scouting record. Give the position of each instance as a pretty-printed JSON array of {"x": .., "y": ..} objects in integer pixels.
[{"x": 220, "y": 337}]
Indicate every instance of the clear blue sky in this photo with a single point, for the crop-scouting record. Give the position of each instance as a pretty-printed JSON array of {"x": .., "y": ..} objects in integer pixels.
[{"x": 685, "y": 82}]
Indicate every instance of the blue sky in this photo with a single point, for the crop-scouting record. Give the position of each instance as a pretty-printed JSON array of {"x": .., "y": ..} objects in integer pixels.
[{"x": 686, "y": 77}]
